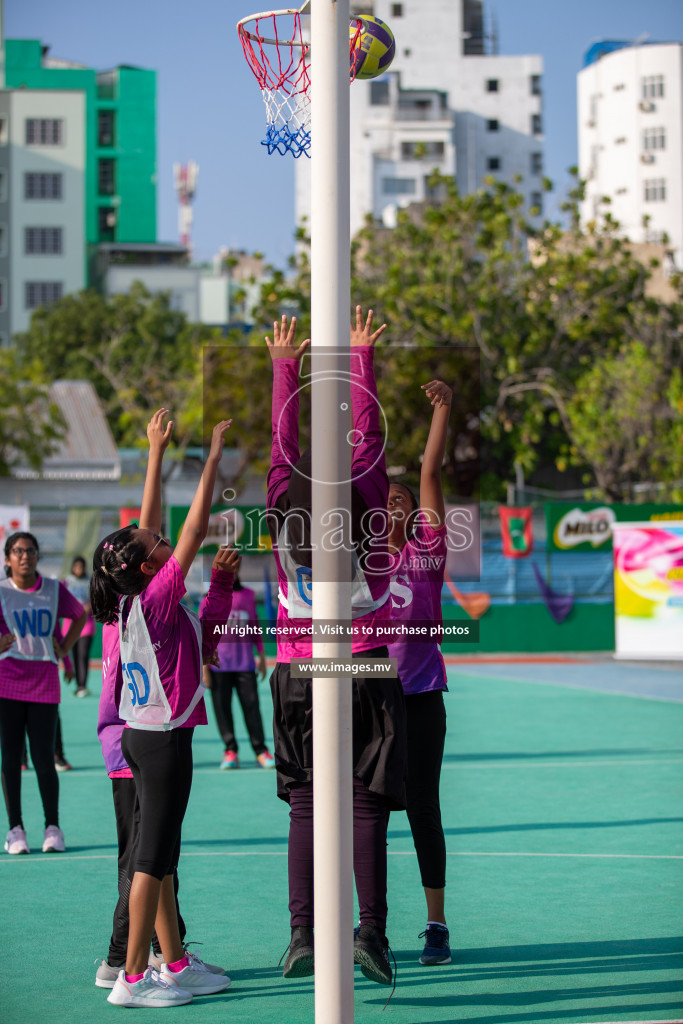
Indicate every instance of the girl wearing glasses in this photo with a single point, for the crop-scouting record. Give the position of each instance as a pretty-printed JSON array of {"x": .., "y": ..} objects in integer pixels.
[
  {"x": 32, "y": 645},
  {"x": 155, "y": 647}
]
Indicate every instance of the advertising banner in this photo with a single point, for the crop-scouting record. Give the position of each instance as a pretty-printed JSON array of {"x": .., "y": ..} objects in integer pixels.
[
  {"x": 13, "y": 518},
  {"x": 243, "y": 526},
  {"x": 516, "y": 531},
  {"x": 587, "y": 526},
  {"x": 648, "y": 589}
]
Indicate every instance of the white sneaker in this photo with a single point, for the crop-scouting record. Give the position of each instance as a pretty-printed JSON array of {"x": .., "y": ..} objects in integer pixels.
[
  {"x": 155, "y": 962},
  {"x": 150, "y": 990},
  {"x": 53, "y": 840},
  {"x": 16, "y": 841},
  {"x": 195, "y": 978}
]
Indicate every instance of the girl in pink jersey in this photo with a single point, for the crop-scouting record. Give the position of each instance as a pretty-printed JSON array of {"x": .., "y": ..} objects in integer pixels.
[
  {"x": 30, "y": 609},
  {"x": 138, "y": 587},
  {"x": 378, "y": 714},
  {"x": 417, "y": 541}
]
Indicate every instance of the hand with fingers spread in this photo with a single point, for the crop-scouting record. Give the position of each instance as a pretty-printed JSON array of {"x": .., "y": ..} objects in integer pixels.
[
  {"x": 362, "y": 334},
  {"x": 218, "y": 439},
  {"x": 282, "y": 346},
  {"x": 158, "y": 435},
  {"x": 438, "y": 392},
  {"x": 227, "y": 560}
]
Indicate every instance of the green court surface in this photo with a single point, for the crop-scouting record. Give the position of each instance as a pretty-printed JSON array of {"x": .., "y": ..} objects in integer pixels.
[{"x": 562, "y": 794}]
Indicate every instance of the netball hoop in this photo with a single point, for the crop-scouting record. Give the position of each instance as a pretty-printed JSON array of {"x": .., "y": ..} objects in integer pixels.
[{"x": 277, "y": 48}]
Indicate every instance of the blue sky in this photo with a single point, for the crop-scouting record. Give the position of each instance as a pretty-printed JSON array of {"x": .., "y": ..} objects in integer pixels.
[{"x": 210, "y": 110}]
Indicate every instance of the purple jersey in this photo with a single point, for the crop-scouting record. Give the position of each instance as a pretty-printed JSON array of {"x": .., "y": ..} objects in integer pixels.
[
  {"x": 416, "y": 584},
  {"x": 235, "y": 652},
  {"x": 370, "y": 483},
  {"x": 36, "y": 681}
]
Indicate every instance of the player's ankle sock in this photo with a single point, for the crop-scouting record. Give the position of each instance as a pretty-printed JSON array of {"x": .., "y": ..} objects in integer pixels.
[
  {"x": 179, "y": 965},
  {"x": 132, "y": 978}
]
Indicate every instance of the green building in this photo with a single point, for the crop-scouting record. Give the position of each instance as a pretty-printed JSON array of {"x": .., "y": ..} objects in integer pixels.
[{"x": 120, "y": 139}]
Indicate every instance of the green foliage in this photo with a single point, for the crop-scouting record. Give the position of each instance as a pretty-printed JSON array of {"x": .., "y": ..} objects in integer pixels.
[
  {"x": 138, "y": 352},
  {"x": 31, "y": 425}
]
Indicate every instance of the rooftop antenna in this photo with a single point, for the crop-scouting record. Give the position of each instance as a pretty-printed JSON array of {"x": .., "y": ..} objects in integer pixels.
[{"x": 185, "y": 179}]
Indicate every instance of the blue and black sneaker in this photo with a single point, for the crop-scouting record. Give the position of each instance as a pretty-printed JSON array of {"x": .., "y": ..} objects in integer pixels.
[
  {"x": 437, "y": 950},
  {"x": 371, "y": 952}
]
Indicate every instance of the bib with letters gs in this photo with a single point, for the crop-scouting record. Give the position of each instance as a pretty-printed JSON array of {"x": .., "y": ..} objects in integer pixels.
[
  {"x": 143, "y": 703},
  {"x": 32, "y": 616}
]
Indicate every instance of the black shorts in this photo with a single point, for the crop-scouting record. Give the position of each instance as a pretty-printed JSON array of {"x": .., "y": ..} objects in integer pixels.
[{"x": 379, "y": 732}]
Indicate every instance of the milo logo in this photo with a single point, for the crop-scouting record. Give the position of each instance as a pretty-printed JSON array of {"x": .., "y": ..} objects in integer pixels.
[{"x": 579, "y": 527}]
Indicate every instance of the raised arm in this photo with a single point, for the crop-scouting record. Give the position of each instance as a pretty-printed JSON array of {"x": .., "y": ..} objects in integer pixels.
[
  {"x": 159, "y": 438},
  {"x": 367, "y": 452},
  {"x": 285, "y": 406},
  {"x": 197, "y": 522},
  {"x": 431, "y": 495}
]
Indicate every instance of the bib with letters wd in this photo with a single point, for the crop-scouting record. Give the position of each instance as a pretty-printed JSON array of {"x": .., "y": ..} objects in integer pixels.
[{"x": 32, "y": 616}]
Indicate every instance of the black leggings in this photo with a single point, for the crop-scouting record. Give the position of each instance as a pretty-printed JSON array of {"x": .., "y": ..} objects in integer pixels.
[
  {"x": 127, "y": 810},
  {"x": 161, "y": 763},
  {"x": 426, "y": 716},
  {"x": 222, "y": 686},
  {"x": 80, "y": 655},
  {"x": 39, "y": 721}
]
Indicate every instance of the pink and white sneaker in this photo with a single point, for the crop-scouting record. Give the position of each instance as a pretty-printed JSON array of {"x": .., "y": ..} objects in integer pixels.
[{"x": 53, "y": 840}]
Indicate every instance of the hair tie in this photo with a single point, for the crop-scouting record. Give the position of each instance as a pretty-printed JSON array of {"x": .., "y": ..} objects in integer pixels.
[
  {"x": 124, "y": 565},
  {"x": 105, "y": 546},
  {"x": 104, "y": 569}
]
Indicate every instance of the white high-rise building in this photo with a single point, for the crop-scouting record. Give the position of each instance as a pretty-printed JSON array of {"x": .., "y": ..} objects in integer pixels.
[
  {"x": 630, "y": 128},
  {"x": 445, "y": 103},
  {"x": 42, "y": 201}
]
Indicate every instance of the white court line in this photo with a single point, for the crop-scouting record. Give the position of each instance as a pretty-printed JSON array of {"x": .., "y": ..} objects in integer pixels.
[
  {"x": 88, "y": 773},
  {"x": 50, "y": 857},
  {"x": 576, "y": 686},
  {"x": 530, "y": 763}
]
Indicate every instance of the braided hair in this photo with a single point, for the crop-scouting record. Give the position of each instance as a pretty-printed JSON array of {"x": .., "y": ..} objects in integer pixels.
[{"x": 117, "y": 572}]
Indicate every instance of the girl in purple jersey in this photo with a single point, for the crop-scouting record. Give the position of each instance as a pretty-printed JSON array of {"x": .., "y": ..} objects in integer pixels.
[
  {"x": 417, "y": 541},
  {"x": 138, "y": 586},
  {"x": 378, "y": 705},
  {"x": 30, "y": 608}
]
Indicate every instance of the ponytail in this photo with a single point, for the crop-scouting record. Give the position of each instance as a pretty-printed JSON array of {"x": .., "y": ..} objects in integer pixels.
[{"x": 116, "y": 573}]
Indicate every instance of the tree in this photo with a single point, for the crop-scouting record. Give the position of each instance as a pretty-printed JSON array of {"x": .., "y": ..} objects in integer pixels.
[
  {"x": 31, "y": 424},
  {"x": 138, "y": 352}
]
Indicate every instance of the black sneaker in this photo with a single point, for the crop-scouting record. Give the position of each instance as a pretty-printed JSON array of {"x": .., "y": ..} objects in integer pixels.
[
  {"x": 371, "y": 952},
  {"x": 299, "y": 962},
  {"x": 437, "y": 949}
]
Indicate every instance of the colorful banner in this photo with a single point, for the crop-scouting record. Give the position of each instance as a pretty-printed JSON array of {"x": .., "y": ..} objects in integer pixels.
[
  {"x": 243, "y": 526},
  {"x": 515, "y": 525},
  {"x": 128, "y": 516},
  {"x": 648, "y": 589},
  {"x": 587, "y": 526},
  {"x": 12, "y": 519}
]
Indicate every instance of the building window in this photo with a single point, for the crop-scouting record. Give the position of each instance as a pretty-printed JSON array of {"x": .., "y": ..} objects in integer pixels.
[
  {"x": 44, "y": 131},
  {"x": 492, "y": 85},
  {"x": 422, "y": 150},
  {"x": 652, "y": 87},
  {"x": 493, "y": 163},
  {"x": 106, "y": 224},
  {"x": 535, "y": 83},
  {"x": 537, "y": 163},
  {"x": 42, "y": 293},
  {"x": 397, "y": 10},
  {"x": 105, "y": 128},
  {"x": 492, "y": 126},
  {"x": 106, "y": 177},
  {"x": 398, "y": 186},
  {"x": 3, "y": 240},
  {"x": 3, "y": 186},
  {"x": 43, "y": 241},
  {"x": 42, "y": 186},
  {"x": 655, "y": 189},
  {"x": 106, "y": 85},
  {"x": 654, "y": 138},
  {"x": 379, "y": 94},
  {"x": 536, "y": 202},
  {"x": 3, "y": 131},
  {"x": 536, "y": 124}
]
